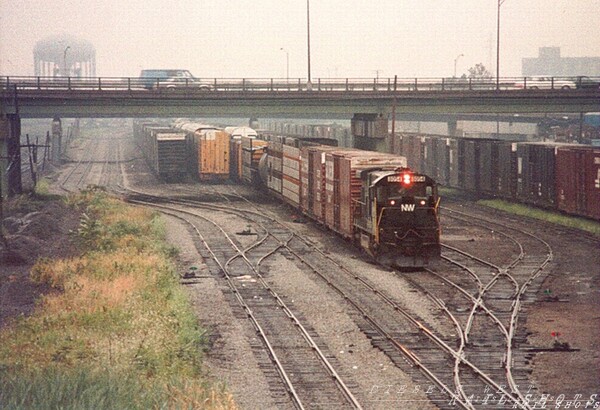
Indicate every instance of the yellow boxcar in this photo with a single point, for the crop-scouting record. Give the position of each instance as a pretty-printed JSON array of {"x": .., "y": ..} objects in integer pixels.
[{"x": 213, "y": 154}]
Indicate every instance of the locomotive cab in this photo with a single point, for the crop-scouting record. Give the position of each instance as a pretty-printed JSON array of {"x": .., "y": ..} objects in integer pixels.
[{"x": 398, "y": 223}]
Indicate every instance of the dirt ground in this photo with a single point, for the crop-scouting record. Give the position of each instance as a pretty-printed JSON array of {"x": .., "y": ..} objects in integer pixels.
[
  {"x": 569, "y": 306},
  {"x": 37, "y": 230}
]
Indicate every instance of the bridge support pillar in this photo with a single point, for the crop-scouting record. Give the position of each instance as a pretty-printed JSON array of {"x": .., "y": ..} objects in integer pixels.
[
  {"x": 10, "y": 155},
  {"x": 453, "y": 128},
  {"x": 253, "y": 123},
  {"x": 56, "y": 141},
  {"x": 370, "y": 132}
]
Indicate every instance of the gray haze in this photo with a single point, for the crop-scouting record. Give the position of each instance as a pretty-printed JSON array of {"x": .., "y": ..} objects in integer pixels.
[{"x": 349, "y": 38}]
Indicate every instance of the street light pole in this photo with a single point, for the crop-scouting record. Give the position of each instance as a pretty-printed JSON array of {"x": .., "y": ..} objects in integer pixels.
[
  {"x": 308, "y": 84},
  {"x": 500, "y": 2},
  {"x": 65, "y": 60},
  {"x": 455, "y": 61},
  {"x": 287, "y": 64}
]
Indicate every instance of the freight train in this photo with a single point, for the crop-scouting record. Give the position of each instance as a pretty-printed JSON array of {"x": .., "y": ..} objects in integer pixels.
[
  {"x": 370, "y": 198},
  {"x": 555, "y": 176},
  {"x": 563, "y": 177}
]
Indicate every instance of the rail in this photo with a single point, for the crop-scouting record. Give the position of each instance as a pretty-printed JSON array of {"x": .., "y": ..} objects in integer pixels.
[{"x": 296, "y": 84}]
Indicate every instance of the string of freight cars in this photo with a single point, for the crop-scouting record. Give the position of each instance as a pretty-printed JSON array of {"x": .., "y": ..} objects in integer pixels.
[{"x": 370, "y": 198}]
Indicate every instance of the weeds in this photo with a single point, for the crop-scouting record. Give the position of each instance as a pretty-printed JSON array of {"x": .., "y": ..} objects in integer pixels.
[
  {"x": 83, "y": 388},
  {"x": 118, "y": 332}
]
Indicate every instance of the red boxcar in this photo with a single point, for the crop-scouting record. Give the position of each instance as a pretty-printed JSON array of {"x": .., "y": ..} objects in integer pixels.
[
  {"x": 316, "y": 180},
  {"x": 578, "y": 181}
]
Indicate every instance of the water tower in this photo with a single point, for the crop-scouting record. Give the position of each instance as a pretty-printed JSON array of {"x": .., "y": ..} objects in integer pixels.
[{"x": 64, "y": 55}]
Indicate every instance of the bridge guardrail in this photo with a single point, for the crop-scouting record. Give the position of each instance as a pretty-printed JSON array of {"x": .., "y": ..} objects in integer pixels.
[{"x": 298, "y": 84}]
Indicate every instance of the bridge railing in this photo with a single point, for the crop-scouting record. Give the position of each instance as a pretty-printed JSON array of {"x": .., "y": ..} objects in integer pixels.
[{"x": 296, "y": 84}]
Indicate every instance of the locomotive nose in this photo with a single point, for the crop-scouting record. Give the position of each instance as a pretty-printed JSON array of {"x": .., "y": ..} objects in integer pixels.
[{"x": 410, "y": 242}]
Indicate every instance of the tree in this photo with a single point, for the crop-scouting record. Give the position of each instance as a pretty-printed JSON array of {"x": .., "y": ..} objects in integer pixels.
[{"x": 479, "y": 72}]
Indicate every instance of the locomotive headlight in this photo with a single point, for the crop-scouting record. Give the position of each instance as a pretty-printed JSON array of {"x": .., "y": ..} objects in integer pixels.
[
  {"x": 423, "y": 202},
  {"x": 392, "y": 202},
  {"x": 406, "y": 178}
]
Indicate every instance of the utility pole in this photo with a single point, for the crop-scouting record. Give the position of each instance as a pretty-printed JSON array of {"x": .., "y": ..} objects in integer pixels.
[
  {"x": 308, "y": 84},
  {"x": 394, "y": 102},
  {"x": 500, "y": 2}
]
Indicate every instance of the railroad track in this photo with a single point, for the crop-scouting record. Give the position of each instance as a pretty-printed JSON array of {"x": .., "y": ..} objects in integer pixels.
[
  {"x": 490, "y": 322},
  {"x": 101, "y": 164},
  {"x": 475, "y": 366},
  {"x": 484, "y": 301},
  {"x": 409, "y": 342},
  {"x": 301, "y": 360},
  {"x": 110, "y": 172},
  {"x": 459, "y": 368},
  {"x": 418, "y": 350}
]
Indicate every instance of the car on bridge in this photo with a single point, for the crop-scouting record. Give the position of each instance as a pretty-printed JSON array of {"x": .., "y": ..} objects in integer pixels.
[
  {"x": 584, "y": 81},
  {"x": 546, "y": 82},
  {"x": 170, "y": 79}
]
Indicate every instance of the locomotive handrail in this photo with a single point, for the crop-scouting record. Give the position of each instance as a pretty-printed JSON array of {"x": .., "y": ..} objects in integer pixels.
[{"x": 319, "y": 85}]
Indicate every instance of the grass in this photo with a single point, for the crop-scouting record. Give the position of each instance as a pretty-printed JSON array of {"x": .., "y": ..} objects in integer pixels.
[
  {"x": 524, "y": 210},
  {"x": 117, "y": 331},
  {"x": 553, "y": 217}
]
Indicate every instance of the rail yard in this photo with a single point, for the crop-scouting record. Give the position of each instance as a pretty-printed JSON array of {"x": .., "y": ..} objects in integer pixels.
[{"x": 301, "y": 318}]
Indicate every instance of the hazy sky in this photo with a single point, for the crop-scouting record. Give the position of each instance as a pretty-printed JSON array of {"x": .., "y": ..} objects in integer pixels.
[{"x": 243, "y": 38}]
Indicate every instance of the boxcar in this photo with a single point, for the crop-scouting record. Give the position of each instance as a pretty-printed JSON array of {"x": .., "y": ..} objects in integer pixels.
[
  {"x": 535, "y": 174},
  {"x": 316, "y": 193},
  {"x": 275, "y": 164},
  {"x": 507, "y": 170},
  {"x": 545, "y": 174},
  {"x": 149, "y": 146},
  {"x": 413, "y": 149},
  {"x": 211, "y": 154},
  {"x": 468, "y": 164},
  {"x": 235, "y": 159},
  {"x": 487, "y": 166},
  {"x": 453, "y": 177},
  {"x": 578, "y": 180},
  {"x": 171, "y": 155},
  {"x": 434, "y": 158}
]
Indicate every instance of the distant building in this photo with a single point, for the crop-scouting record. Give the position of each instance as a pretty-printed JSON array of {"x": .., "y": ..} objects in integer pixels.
[{"x": 549, "y": 62}]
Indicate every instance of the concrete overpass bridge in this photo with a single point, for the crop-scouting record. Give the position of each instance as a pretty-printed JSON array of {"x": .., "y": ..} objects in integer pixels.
[
  {"x": 373, "y": 100},
  {"x": 39, "y": 97}
]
